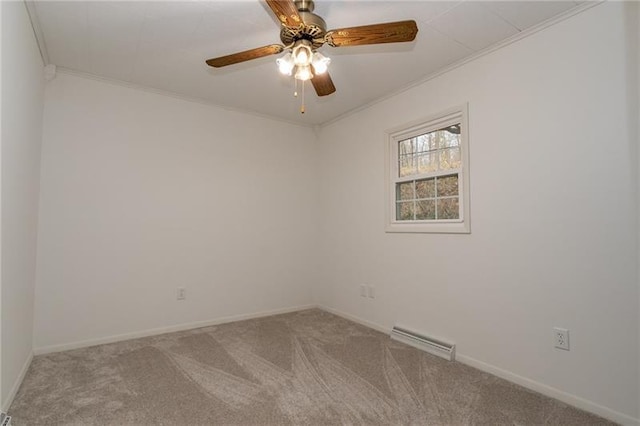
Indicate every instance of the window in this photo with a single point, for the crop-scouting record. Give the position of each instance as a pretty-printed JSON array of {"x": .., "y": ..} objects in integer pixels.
[{"x": 427, "y": 175}]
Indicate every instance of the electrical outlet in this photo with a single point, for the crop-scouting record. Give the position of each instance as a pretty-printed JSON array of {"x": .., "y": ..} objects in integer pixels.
[
  {"x": 561, "y": 338},
  {"x": 371, "y": 292},
  {"x": 181, "y": 293},
  {"x": 363, "y": 290}
]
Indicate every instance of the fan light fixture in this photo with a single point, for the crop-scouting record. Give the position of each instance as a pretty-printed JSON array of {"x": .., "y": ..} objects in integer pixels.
[
  {"x": 305, "y": 62},
  {"x": 301, "y": 58}
]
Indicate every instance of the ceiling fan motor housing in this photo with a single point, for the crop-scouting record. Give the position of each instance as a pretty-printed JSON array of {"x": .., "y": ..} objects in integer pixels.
[{"x": 313, "y": 27}]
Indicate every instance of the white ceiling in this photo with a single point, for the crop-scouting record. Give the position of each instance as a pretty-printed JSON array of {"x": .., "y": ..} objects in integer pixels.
[{"x": 163, "y": 45}]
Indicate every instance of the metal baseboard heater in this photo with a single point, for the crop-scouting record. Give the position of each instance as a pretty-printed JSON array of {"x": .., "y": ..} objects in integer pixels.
[
  {"x": 5, "y": 420},
  {"x": 433, "y": 346}
]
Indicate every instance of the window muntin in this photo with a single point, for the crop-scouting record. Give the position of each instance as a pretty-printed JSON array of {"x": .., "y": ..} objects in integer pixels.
[
  {"x": 434, "y": 198},
  {"x": 427, "y": 176}
]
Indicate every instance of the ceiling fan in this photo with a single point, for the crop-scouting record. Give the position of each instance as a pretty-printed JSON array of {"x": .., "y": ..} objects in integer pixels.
[{"x": 303, "y": 32}]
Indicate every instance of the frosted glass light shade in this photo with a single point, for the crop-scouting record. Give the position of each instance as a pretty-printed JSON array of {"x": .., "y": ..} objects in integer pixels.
[
  {"x": 302, "y": 53},
  {"x": 285, "y": 64},
  {"x": 303, "y": 73},
  {"x": 320, "y": 63}
]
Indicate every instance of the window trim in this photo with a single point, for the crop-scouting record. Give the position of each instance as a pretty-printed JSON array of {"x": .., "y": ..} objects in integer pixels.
[{"x": 454, "y": 115}]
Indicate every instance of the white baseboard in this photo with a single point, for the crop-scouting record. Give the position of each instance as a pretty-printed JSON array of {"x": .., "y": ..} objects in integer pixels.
[
  {"x": 541, "y": 388},
  {"x": 6, "y": 404},
  {"x": 377, "y": 327},
  {"x": 549, "y": 391},
  {"x": 162, "y": 330}
]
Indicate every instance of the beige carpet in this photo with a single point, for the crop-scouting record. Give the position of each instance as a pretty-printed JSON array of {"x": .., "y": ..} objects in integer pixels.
[{"x": 304, "y": 368}]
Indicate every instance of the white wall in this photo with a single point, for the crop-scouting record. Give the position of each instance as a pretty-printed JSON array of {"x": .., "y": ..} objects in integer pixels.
[
  {"x": 22, "y": 100},
  {"x": 634, "y": 16},
  {"x": 553, "y": 216},
  {"x": 1, "y": 393},
  {"x": 143, "y": 193}
]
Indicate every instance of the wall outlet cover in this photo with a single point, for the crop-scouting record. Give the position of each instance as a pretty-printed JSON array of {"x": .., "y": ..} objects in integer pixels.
[
  {"x": 181, "y": 293},
  {"x": 371, "y": 292},
  {"x": 561, "y": 338}
]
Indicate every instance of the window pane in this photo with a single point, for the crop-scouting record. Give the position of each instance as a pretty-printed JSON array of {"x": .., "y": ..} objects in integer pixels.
[
  {"x": 448, "y": 208},
  {"x": 426, "y": 188},
  {"x": 434, "y": 141},
  {"x": 426, "y": 142},
  {"x": 404, "y": 191},
  {"x": 407, "y": 165},
  {"x": 449, "y": 158},
  {"x": 404, "y": 210},
  {"x": 430, "y": 152},
  {"x": 427, "y": 162},
  {"x": 425, "y": 210},
  {"x": 450, "y": 136},
  {"x": 405, "y": 147},
  {"x": 447, "y": 185}
]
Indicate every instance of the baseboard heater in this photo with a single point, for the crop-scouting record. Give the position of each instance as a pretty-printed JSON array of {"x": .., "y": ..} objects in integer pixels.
[
  {"x": 433, "y": 346},
  {"x": 5, "y": 420}
]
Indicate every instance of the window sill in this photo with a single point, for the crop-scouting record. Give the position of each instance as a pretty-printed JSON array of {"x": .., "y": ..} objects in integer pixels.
[{"x": 429, "y": 228}]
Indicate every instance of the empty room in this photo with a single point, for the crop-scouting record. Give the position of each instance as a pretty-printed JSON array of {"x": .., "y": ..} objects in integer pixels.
[{"x": 358, "y": 212}]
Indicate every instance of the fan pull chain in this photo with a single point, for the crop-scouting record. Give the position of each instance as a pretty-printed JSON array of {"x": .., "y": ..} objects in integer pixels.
[
  {"x": 302, "y": 103},
  {"x": 295, "y": 93}
]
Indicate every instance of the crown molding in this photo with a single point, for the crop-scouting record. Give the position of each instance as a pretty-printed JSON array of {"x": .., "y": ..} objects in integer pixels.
[{"x": 37, "y": 30}]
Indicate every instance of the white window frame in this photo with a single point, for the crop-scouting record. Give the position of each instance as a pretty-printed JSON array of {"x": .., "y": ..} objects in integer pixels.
[{"x": 446, "y": 118}]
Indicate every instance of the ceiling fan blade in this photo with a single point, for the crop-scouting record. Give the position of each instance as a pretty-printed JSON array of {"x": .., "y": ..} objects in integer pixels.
[
  {"x": 247, "y": 55},
  {"x": 392, "y": 32},
  {"x": 323, "y": 84},
  {"x": 286, "y": 12}
]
